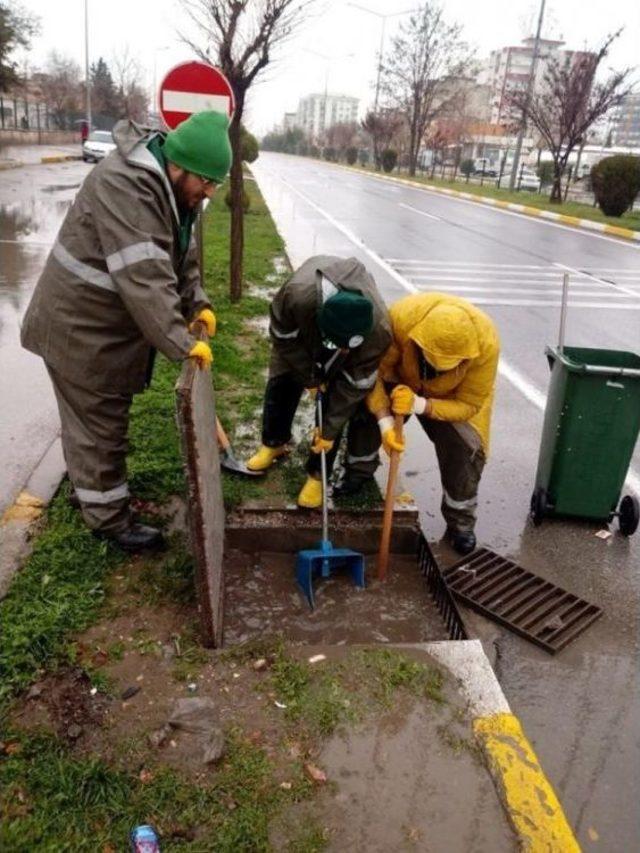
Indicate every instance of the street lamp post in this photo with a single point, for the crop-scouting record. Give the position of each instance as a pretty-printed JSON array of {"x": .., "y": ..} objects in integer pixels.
[
  {"x": 530, "y": 83},
  {"x": 86, "y": 65},
  {"x": 384, "y": 17},
  {"x": 328, "y": 59}
]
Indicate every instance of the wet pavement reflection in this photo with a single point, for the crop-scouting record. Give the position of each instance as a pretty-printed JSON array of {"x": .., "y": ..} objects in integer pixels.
[{"x": 33, "y": 203}]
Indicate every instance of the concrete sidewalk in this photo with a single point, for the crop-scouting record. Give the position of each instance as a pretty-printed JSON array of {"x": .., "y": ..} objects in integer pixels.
[{"x": 14, "y": 156}]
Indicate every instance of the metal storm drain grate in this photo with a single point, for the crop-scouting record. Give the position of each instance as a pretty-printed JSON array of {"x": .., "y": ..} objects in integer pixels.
[{"x": 532, "y": 607}]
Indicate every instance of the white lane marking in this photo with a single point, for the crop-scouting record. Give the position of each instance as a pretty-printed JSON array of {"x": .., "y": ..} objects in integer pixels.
[
  {"x": 534, "y": 303},
  {"x": 421, "y": 212},
  {"x": 540, "y": 220},
  {"x": 404, "y": 261},
  {"x": 529, "y": 391},
  {"x": 554, "y": 283},
  {"x": 595, "y": 278},
  {"x": 354, "y": 239},
  {"x": 526, "y": 291}
]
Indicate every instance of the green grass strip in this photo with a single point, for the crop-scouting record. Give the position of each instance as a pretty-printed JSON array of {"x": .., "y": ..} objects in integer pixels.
[{"x": 540, "y": 201}]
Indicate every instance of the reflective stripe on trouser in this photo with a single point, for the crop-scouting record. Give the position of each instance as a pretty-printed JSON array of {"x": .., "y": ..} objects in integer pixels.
[
  {"x": 461, "y": 460},
  {"x": 94, "y": 440}
]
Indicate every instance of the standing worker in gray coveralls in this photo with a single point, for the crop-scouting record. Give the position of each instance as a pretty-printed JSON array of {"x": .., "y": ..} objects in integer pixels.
[{"x": 122, "y": 281}]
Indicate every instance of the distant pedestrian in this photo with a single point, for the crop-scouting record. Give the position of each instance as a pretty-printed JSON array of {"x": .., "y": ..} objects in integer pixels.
[
  {"x": 121, "y": 281},
  {"x": 442, "y": 368}
]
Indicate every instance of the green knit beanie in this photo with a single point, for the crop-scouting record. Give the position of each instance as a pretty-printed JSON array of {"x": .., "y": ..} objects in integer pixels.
[
  {"x": 346, "y": 318},
  {"x": 200, "y": 144}
]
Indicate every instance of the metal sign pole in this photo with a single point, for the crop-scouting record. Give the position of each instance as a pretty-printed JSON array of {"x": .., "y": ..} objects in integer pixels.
[{"x": 563, "y": 311}]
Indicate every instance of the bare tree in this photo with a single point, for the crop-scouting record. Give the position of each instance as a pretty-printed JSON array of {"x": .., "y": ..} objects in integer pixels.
[
  {"x": 426, "y": 53},
  {"x": 61, "y": 86},
  {"x": 381, "y": 127},
  {"x": 240, "y": 37},
  {"x": 127, "y": 76},
  {"x": 569, "y": 101},
  {"x": 341, "y": 135}
]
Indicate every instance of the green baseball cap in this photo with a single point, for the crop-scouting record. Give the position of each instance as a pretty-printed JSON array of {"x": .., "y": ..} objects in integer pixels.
[
  {"x": 346, "y": 318},
  {"x": 200, "y": 144}
]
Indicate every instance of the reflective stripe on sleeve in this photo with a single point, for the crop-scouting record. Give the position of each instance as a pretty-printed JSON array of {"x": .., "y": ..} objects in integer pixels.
[
  {"x": 454, "y": 504},
  {"x": 368, "y": 458},
  {"x": 146, "y": 251},
  {"x": 284, "y": 336},
  {"x": 365, "y": 382},
  {"x": 89, "y": 496},
  {"x": 81, "y": 270}
]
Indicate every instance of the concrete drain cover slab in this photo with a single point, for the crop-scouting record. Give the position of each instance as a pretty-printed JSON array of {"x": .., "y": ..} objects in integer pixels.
[{"x": 532, "y": 607}]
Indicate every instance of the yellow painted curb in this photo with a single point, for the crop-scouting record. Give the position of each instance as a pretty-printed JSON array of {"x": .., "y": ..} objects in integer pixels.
[
  {"x": 574, "y": 221},
  {"x": 25, "y": 508},
  {"x": 618, "y": 231},
  {"x": 529, "y": 799}
]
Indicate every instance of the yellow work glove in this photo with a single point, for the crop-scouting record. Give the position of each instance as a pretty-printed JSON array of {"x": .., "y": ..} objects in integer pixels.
[
  {"x": 313, "y": 392},
  {"x": 202, "y": 354},
  {"x": 207, "y": 317},
  {"x": 405, "y": 402},
  {"x": 319, "y": 443},
  {"x": 390, "y": 440}
]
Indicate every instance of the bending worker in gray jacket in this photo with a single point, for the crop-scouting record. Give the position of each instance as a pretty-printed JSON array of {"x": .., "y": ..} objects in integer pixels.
[
  {"x": 329, "y": 327},
  {"x": 122, "y": 281}
]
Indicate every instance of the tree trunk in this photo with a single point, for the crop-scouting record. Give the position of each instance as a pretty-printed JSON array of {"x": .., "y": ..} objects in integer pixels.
[
  {"x": 556, "y": 189},
  {"x": 237, "y": 213}
]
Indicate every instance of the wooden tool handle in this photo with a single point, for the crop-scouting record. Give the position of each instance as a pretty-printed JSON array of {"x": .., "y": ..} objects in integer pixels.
[
  {"x": 385, "y": 538},
  {"x": 223, "y": 439}
]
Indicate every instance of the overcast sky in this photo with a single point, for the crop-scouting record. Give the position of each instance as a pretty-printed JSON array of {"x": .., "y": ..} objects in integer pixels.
[{"x": 336, "y": 29}]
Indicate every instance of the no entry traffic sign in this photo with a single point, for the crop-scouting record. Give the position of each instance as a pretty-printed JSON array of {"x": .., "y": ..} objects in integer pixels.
[{"x": 192, "y": 87}]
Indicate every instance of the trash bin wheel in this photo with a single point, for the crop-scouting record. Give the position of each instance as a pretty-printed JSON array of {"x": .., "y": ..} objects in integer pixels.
[
  {"x": 629, "y": 515},
  {"x": 539, "y": 504}
]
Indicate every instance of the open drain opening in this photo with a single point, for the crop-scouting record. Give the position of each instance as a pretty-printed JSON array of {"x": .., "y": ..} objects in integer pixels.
[{"x": 262, "y": 597}]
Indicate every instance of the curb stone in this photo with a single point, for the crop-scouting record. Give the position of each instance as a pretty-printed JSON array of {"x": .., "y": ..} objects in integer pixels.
[{"x": 526, "y": 210}]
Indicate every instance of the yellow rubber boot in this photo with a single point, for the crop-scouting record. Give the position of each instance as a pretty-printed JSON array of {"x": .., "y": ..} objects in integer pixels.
[
  {"x": 310, "y": 496},
  {"x": 265, "y": 457}
]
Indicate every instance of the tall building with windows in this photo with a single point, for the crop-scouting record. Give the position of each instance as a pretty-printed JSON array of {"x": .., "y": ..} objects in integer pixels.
[
  {"x": 625, "y": 129},
  {"x": 508, "y": 69},
  {"x": 317, "y": 113}
]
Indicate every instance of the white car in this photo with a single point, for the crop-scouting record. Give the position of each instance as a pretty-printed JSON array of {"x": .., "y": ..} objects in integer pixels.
[
  {"x": 528, "y": 180},
  {"x": 98, "y": 144}
]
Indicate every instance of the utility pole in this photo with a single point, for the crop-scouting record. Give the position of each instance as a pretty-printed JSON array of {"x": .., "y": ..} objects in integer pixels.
[
  {"x": 530, "y": 84},
  {"x": 86, "y": 64}
]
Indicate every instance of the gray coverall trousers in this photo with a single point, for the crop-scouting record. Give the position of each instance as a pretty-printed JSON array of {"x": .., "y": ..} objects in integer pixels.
[
  {"x": 461, "y": 460},
  {"x": 94, "y": 441}
]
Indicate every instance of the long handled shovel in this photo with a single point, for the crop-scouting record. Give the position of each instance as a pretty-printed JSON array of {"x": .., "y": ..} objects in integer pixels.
[
  {"x": 394, "y": 462},
  {"x": 228, "y": 460}
]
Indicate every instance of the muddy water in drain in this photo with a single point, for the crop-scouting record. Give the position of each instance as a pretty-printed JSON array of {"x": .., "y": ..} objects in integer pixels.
[{"x": 262, "y": 597}]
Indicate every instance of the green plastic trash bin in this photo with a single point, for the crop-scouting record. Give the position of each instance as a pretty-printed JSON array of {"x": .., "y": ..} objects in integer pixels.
[{"x": 591, "y": 424}]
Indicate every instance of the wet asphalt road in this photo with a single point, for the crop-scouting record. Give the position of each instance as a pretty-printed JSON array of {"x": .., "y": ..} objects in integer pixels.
[
  {"x": 580, "y": 708},
  {"x": 33, "y": 203}
]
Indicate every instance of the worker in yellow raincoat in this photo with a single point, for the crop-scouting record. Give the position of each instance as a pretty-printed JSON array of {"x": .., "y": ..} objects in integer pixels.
[{"x": 442, "y": 368}]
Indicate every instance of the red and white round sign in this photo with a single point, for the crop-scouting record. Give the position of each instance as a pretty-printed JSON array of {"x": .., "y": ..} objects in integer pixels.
[{"x": 192, "y": 87}]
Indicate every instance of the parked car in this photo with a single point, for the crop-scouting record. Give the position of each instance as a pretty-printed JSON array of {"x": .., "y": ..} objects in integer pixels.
[
  {"x": 482, "y": 165},
  {"x": 528, "y": 180},
  {"x": 97, "y": 145}
]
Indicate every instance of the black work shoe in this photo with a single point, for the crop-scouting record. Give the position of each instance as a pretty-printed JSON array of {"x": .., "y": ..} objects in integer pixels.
[
  {"x": 462, "y": 541},
  {"x": 137, "y": 537},
  {"x": 350, "y": 485}
]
